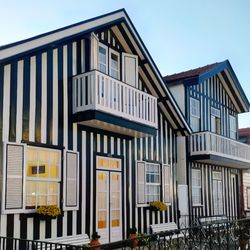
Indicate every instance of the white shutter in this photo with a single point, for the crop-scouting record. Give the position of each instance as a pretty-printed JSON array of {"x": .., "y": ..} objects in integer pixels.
[
  {"x": 130, "y": 69},
  {"x": 71, "y": 180},
  {"x": 13, "y": 178},
  {"x": 167, "y": 177},
  {"x": 94, "y": 52},
  {"x": 140, "y": 182}
]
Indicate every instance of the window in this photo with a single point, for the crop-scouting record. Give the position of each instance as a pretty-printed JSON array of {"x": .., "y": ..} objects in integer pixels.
[
  {"x": 215, "y": 120},
  {"x": 149, "y": 184},
  {"x": 196, "y": 186},
  {"x": 152, "y": 182},
  {"x": 195, "y": 114},
  {"x": 42, "y": 177},
  {"x": 167, "y": 181},
  {"x": 114, "y": 64},
  {"x": 232, "y": 126},
  {"x": 102, "y": 58},
  {"x": 248, "y": 197}
]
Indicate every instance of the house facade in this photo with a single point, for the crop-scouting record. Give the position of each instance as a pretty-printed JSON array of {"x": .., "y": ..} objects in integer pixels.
[
  {"x": 244, "y": 137},
  {"x": 211, "y": 99},
  {"x": 87, "y": 124}
]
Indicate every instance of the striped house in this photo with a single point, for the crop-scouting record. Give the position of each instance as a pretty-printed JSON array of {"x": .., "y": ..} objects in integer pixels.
[
  {"x": 211, "y": 98},
  {"x": 88, "y": 124}
]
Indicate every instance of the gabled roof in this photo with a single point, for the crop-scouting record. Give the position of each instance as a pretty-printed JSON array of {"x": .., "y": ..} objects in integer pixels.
[
  {"x": 224, "y": 70},
  {"x": 189, "y": 73},
  {"x": 120, "y": 16}
]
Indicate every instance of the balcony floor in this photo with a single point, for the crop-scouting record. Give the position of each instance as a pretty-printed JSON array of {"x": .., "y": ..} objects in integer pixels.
[
  {"x": 102, "y": 120},
  {"x": 220, "y": 161}
]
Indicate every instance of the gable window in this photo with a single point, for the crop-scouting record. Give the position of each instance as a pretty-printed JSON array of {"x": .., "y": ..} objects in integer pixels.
[
  {"x": 195, "y": 114},
  {"x": 232, "y": 126},
  {"x": 42, "y": 177},
  {"x": 248, "y": 197},
  {"x": 103, "y": 58},
  {"x": 196, "y": 186},
  {"x": 114, "y": 64},
  {"x": 215, "y": 120}
]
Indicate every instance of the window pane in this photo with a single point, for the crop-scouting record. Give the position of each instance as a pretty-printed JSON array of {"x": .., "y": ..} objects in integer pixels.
[{"x": 45, "y": 164}]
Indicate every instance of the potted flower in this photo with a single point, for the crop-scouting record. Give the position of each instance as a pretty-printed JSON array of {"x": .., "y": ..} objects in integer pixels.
[
  {"x": 48, "y": 212},
  {"x": 133, "y": 237},
  {"x": 158, "y": 206},
  {"x": 94, "y": 243}
]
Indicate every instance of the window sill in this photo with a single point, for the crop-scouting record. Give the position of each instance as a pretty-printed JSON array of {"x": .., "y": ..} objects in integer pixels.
[
  {"x": 197, "y": 205},
  {"x": 147, "y": 205},
  {"x": 33, "y": 215}
]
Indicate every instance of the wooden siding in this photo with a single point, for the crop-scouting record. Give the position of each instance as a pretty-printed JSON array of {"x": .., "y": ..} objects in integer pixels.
[
  {"x": 231, "y": 198},
  {"x": 36, "y": 106},
  {"x": 211, "y": 93}
]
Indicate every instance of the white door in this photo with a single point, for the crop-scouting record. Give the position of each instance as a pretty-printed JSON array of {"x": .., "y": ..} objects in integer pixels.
[
  {"x": 217, "y": 194},
  {"x": 130, "y": 69},
  {"x": 183, "y": 205},
  {"x": 109, "y": 212}
]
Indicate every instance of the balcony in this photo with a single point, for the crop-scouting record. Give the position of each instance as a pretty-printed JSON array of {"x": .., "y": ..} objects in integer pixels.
[
  {"x": 104, "y": 102},
  {"x": 216, "y": 149}
]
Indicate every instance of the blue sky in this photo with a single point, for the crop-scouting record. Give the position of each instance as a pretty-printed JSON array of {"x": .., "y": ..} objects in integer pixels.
[{"x": 180, "y": 35}]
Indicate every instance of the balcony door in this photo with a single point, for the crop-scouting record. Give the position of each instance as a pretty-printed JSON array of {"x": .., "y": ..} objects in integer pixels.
[
  {"x": 108, "y": 200},
  {"x": 217, "y": 193},
  {"x": 130, "y": 69}
]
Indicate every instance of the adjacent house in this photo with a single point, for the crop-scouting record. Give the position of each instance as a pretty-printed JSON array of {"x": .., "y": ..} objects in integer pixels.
[
  {"x": 244, "y": 136},
  {"x": 88, "y": 124},
  {"x": 211, "y": 98}
]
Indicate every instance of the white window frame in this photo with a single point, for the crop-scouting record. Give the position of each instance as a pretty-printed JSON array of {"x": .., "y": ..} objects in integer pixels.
[
  {"x": 145, "y": 203},
  {"x": 164, "y": 183},
  {"x": 196, "y": 186},
  {"x": 27, "y": 178},
  {"x": 111, "y": 51},
  {"x": 194, "y": 115},
  {"x": 152, "y": 183},
  {"x": 106, "y": 49},
  {"x": 232, "y": 128}
]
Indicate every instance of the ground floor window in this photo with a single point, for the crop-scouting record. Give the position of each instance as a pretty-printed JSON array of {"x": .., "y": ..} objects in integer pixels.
[
  {"x": 196, "y": 186},
  {"x": 153, "y": 182},
  {"x": 42, "y": 177}
]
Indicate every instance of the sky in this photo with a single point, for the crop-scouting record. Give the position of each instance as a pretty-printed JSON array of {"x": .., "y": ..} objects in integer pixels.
[{"x": 180, "y": 35}]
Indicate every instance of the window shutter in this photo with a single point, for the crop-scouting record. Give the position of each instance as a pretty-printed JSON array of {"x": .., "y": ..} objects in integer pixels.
[
  {"x": 140, "y": 182},
  {"x": 71, "y": 180},
  {"x": 94, "y": 51},
  {"x": 167, "y": 177},
  {"x": 13, "y": 178}
]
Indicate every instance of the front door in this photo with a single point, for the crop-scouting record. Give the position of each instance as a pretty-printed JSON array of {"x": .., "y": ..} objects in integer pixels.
[
  {"x": 217, "y": 193},
  {"x": 108, "y": 200}
]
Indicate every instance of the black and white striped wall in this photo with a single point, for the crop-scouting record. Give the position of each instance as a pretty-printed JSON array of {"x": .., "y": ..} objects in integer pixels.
[{"x": 36, "y": 108}]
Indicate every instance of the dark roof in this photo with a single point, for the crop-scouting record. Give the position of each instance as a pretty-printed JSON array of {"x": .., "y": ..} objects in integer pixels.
[
  {"x": 189, "y": 73},
  {"x": 195, "y": 76}
]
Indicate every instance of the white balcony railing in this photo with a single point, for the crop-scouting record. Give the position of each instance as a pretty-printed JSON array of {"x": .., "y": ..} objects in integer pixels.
[
  {"x": 97, "y": 91},
  {"x": 210, "y": 143}
]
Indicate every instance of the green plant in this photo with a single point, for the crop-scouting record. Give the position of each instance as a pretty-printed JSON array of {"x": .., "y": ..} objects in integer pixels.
[
  {"x": 95, "y": 236},
  {"x": 132, "y": 230},
  {"x": 142, "y": 239},
  {"x": 51, "y": 211},
  {"x": 86, "y": 246},
  {"x": 158, "y": 205}
]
